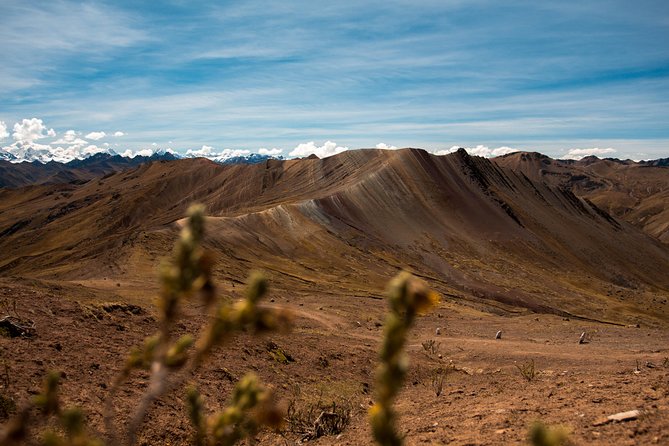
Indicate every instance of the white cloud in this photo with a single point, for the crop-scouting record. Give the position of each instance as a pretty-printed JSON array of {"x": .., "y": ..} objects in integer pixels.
[
  {"x": 480, "y": 150},
  {"x": 446, "y": 151},
  {"x": 3, "y": 130},
  {"x": 328, "y": 149},
  {"x": 96, "y": 135},
  {"x": 384, "y": 146},
  {"x": 212, "y": 154},
  {"x": 205, "y": 151},
  {"x": 65, "y": 149},
  {"x": 269, "y": 152},
  {"x": 119, "y": 134},
  {"x": 76, "y": 151},
  {"x": 133, "y": 153},
  {"x": 143, "y": 152},
  {"x": 70, "y": 137},
  {"x": 29, "y": 130},
  {"x": 577, "y": 154}
]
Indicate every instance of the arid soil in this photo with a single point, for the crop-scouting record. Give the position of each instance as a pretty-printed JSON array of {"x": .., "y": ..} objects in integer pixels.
[{"x": 484, "y": 399}]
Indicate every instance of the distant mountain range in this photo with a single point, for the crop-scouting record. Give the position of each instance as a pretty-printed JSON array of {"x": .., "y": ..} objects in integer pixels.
[
  {"x": 29, "y": 154},
  {"x": 32, "y": 169}
]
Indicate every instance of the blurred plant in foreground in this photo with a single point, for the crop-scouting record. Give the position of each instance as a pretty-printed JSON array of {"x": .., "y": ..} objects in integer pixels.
[
  {"x": 407, "y": 297},
  {"x": 172, "y": 362}
]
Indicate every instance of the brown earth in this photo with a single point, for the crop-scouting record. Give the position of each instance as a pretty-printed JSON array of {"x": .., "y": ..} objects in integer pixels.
[
  {"x": 506, "y": 251},
  {"x": 636, "y": 192},
  {"x": 335, "y": 340}
]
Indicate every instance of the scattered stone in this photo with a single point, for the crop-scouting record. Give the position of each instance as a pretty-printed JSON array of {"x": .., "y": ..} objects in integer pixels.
[
  {"x": 498, "y": 335},
  {"x": 618, "y": 417},
  {"x": 437, "y": 331},
  {"x": 14, "y": 327},
  {"x": 583, "y": 339}
]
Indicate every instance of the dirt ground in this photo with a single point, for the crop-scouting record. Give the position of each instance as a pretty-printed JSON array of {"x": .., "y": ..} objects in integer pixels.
[{"x": 483, "y": 399}]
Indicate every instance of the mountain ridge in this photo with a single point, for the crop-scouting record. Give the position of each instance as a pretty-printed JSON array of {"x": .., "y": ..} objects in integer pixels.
[{"x": 477, "y": 230}]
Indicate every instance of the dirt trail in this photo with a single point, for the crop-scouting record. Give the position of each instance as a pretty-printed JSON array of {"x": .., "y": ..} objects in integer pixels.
[{"x": 484, "y": 399}]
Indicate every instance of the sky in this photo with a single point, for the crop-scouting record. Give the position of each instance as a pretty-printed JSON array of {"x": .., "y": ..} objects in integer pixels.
[{"x": 566, "y": 78}]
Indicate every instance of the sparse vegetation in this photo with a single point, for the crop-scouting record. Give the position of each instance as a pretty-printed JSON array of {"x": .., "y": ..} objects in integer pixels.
[
  {"x": 438, "y": 377},
  {"x": 278, "y": 354},
  {"x": 527, "y": 370},
  {"x": 314, "y": 419},
  {"x": 431, "y": 347},
  {"x": 106, "y": 310}
]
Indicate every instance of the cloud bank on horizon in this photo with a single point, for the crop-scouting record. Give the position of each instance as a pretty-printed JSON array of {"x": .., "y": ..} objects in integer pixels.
[
  {"x": 563, "y": 78},
  {"x": 70, "y": 146}
]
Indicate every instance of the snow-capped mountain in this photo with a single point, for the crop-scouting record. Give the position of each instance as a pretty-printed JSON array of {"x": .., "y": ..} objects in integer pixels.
[
  {"x": 19, "y": 153},
  {"x": 6, "y": 156}
]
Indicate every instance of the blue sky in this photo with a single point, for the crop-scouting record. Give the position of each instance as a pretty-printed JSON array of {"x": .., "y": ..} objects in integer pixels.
[{"x": 532, "y": 75}]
